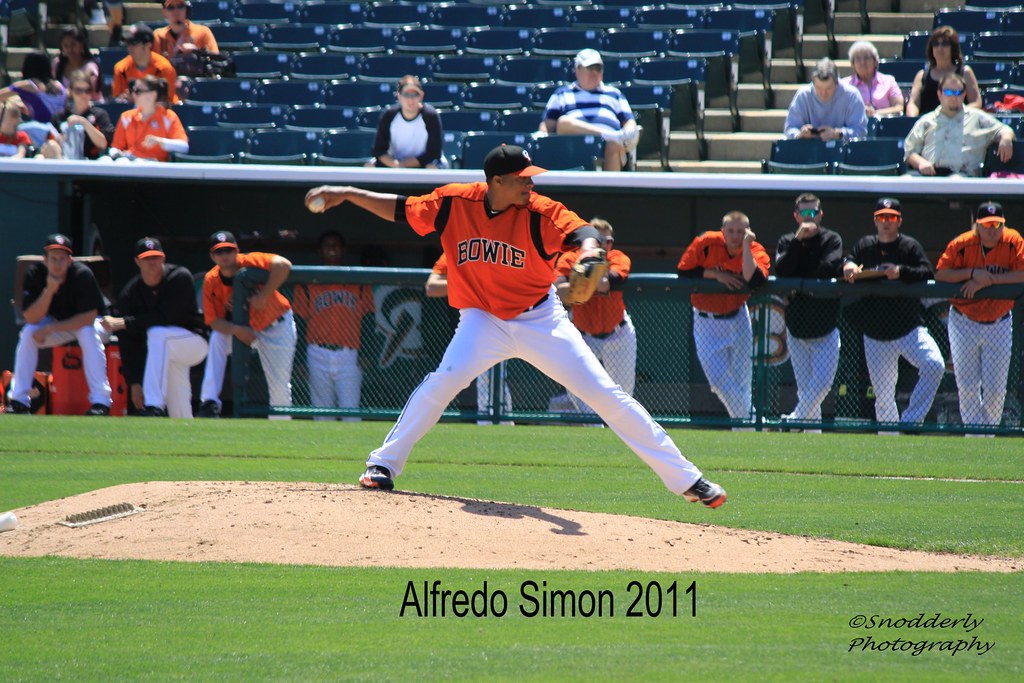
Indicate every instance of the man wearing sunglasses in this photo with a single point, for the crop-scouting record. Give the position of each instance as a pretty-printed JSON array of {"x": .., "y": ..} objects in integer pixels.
[
  {"x": 953, "y": 139},
  {"x": 142, "y": 61},
  {"x": 892, "y": 325},
  {"x": 981, "y": 329},
  {"x": 181, "y": 36}
]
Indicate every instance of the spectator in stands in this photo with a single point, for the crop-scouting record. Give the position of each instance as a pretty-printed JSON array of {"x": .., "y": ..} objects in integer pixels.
[
  {"x": 409, "y": 133},
  {"x": 80, "y": 110},
  {"x": 115, "y": 20},
  {"x": 14, "y": 143},
  {"x": 151, "y": 130},
  {"x": 38, "y": 89},
  {"x": 62, "y": 304},
  {"x": 881, "y": 95},
  {"x": 142, "y": 61},
  {"x": 589, "y": 107},
  {"x": 721, "y": 322},
  {"x": 944, "y": 58},
  {"x": 181, "y": 37},
  {"x": 812, "y": 251},
  {"x": 160, "y": 331},
  {"x": 826, "y": 108},
  {"x": 892, "y": 326},
  {"x": 334, "y": 315},
  {"x": 76, "y": 56},
  {"x": 953, "y": 139}
]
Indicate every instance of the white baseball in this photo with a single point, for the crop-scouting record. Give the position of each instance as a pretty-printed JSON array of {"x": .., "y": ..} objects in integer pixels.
[
  {"x": 8, "y": 521},
  {"x": 317, "y": 205}
]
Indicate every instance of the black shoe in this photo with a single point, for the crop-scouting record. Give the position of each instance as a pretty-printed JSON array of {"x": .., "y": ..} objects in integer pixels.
[
  {"x": 153, "y": 411},
  {"x": 208, "y": 409},
  {"x": 707, "y": 492},
  {"x": 377, "y": 477},
  {"x": 98, "y": 409},
  {"x": 19, "y": 408}
]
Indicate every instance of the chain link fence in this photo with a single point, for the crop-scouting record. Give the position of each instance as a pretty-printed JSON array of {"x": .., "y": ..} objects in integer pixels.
[{"x": 689, "y": 366}]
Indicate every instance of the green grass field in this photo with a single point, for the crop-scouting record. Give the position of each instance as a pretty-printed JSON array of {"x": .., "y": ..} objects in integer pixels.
[{"x": 103, "y": 620}]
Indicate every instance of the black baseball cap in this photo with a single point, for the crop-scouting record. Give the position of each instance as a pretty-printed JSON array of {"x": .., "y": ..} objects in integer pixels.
[
  {"x": 990, "y": 212},
  {"x": 139, "y": 32},
  {"x": 510, "y": 159},
  {"x": 888, "y": 205},
  {"x": 222, "y": 238},
  {"x": 148, "y": 246},
  {"x": 58, "y": 241}
]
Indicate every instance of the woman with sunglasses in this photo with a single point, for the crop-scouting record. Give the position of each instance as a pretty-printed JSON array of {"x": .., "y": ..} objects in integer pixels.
[
  {"x": 76, "y": 56},
  {"x": 409, "y": 133},
  {"x": 81, "y": 110},
  {"x": 151, "y": 130},
  {"x": 944, "y": 57}
]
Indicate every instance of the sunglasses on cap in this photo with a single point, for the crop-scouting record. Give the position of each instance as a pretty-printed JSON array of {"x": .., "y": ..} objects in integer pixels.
[
  {"x": 992, "y": 224},
  {"x": 950, "y": 92},
  {"x": 808, "y": 213},
  {"x": 887, "y": 218}
]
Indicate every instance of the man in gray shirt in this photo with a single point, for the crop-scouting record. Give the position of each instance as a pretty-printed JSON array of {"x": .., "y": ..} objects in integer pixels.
[{"x": 826, "y": 108}]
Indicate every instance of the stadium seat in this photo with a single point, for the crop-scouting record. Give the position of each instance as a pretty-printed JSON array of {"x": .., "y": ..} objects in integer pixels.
[
  {"x": 290, "y": 92},
  {"x": 619, "y": 69},
  {"x": 568, "y": 152},
  {"x": 982, "y": 5},
  {"x": 211, "y": 11},
  {"x": 213, "y": 145},
  {"x": 661, "y": 18},
  {"x": 903, "y": 70},
  {"x": 1001, "y": 46},
  {"x": 360, "y": 40},
  {"x": 238, "y": 37},
  {"x": 687, "y": 79},
  {"x": 451, "y": 147},
  {"x": 470, "y": 120},
  {"x": 891, "y": 126},
  {"x": 467, "y": 16},
  {"x": 564, "y": 42},
  {"x": 722, "y": 50},
  {"x": 263, "y": 13},
  {"x": 221, "y": 90},
  {"x": 317, "y": 118},
  {"x": 443, "y": 95},
  {"x": 652, "y": 107},
  {"x": 496, "y": 96},
  {"x": 318, "y": 66},
  {"x": 1013, "y": 22},
  {"x": 107, "y": 58},
  {"x": 332, "y": 13},
  {"x": 519, "y": 121},
  {"x": 605, "y": 16},
  {"x": 804, "y": 157},
  {"x": 1014, "y": 165},
  {"x": 537, "y": 17},
  {"x": 991, "y": 74},
  {"x": 465, "y": 68},
  {"x": 633, "y": 43},
  {"x": 396, "y": 15},
  {"x": 915, "y": 45},
  {"x": 195, "y": 114},
  {"x": 296, "y": 37},
  {"x": 475, "y": 146},
  {"x": 499, "y": 41},
  {"x": 967, "y": 21},
  {"x": 115, "y": 108},
  {"x": 359, "y": 94},
  {"x": 993, "y": 95},
  {"x": 390, "y": 68},
  {"x": 534, "y": 70},
  {"x": 347, "y": 148},
  {"x": 879, "y": 156},
  {"x": 262, "y": 64},
  {"x": 429, "y": 41},
  {"x": 248, "y": 116},
  {"x": 540, "y": 94},
  {"x": 289, "y": 147}
]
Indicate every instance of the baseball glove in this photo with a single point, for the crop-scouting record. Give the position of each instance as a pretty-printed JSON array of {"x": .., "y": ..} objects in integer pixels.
[{"x": 585, "y": 276}]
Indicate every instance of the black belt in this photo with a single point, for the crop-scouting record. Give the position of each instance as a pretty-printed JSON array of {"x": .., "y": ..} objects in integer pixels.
[
  {"x": 982, "y": 322},
  {"x": 539, "y": 302},
  {"x": 331, "y": 347},
  {"x": 605, "y": 335},
  {"x": 718, "y": 316}
]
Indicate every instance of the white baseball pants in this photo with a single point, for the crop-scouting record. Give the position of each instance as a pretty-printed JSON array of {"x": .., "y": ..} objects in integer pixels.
[
  {"x": 276, "y": 348},
  {"x": 335, "y": 379},
  {"x": 545, "y": 338},
  {"x": 94, "y": 361},
  {"x": 814, "y": 364},
  {"x": 725, "y": 347},
  {"x": 981, "y": 363},
  {"x": 617, "y": 353},
  {"x": 170, "y": 353},
  {"x": 921, "y": 351}
]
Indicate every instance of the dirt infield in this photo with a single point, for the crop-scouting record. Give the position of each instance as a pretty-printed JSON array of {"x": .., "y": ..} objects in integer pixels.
[{"x": 342, "y": 525}]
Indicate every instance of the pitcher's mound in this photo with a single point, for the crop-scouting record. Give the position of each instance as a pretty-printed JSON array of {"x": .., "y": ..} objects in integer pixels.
[{"x": 342, "y": 525}]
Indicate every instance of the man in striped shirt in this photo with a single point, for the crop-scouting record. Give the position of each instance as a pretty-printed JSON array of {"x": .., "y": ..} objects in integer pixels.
[{"x": 589, "y": 107}]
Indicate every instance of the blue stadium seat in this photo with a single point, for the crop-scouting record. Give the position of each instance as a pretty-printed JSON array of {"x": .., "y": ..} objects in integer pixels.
[
  {"x": 221, "y": 90},
  {"x": 993, "y": 95},
  {"x": 443, "y": 95},
  {"x": 263, "y": 13},
  {"x": 430, "y": 41},
  {"x": 903, "y": 70},
  {"x": 891, "y": 126},
  {"x": 499, "y": 41},
  {"x": 804, "y": 157},
  {"x": 534, "y": 70},
  {"x": 915, "y": 45},
  {"x": 290, "y": 147},
  {"x": 652, "y": 107},
  {"x": 1001, "y": 46},
  {"x": 967, "y": 21},
  {"x": 475, "y": 146},
  {"x": 992, "y": 74},
  {"x": 267, "y": 64},
  {"x": 564, "y": 42},
  {"x": 605, "y": 16},
  {"x": 982, "y": 5},
  {"x": 722, "y": 50},
  {"x": 540, "y": 94},
  {"x": 213, "y": 145},
  {"x": 107, "y": 58},
  {"x": 296, "y": 37},
  {"x": 396, "y": 15},
  {"x": 879, "y": 156},
  {"x": 237, "y": 37},
  {"x": 465, "y": 68},
  {"x": 661, "y": 18},
  {"x": 470, "y": 120},
  {"x": 534, "y": 16},
  {"x": 359, "y": 94},
  {"x": 451, "y": 147},
  {"x": 467, "y": 16},
  {"x": 1014, "y": 165},
  {"x": 196, "y": 114},
  {"x": 332, "y": 13},
  {"x": 115, "y": 108},
  {"x": 390, "y": 68},
  {"x": 347, "y": 148},
  {"x": 1013, "y": 22},
  {"x": 317, "y": 118},
  {"x": 328, "y": 66},
  {"x": 496, "y": 96},
  {"x": 290, "y": 92},
  {"x": 633, "y": 43},
  {"x": 519, "y": 121},
  {"x": 361, "y": 40},
  {"x": 619, "y": 69},
  {"x": 248, "y": 116},
  {"x": 211, "y": 11},
  {"x": 568, "y": 152}
]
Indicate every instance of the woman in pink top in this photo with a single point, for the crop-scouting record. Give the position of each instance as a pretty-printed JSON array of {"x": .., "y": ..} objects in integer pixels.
[{"x": 881, "y": 95}]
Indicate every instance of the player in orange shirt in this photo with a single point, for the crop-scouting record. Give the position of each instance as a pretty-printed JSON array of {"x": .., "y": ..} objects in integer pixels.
[
  {"x": 603, "y": 320},
  {"x": 151, "y": 130},
  {"x": 142, "y": 61},
  {"x": 721, "y": 322},
  {"x": 502, "y": 240},
  {"x": 334, "y": 313},
  {"x": 181, "y": 37},
  {"x": 981, "y": 330},
  {"x": 270, "y": 328}
]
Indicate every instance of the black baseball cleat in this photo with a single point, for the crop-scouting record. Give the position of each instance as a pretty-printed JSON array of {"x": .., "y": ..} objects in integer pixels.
[
  {"x": 153, "y": 411},
  {"x": 377, "y": 477},
  {"x": 707, "y": 492},
  {"x": 19, "y": 408},
  {"x": 98, "y": 409},
  {"x": 208, "y": 408}
]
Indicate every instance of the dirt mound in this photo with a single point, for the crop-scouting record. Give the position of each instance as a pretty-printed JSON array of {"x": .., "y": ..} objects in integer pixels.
[{"x": 342, "y": 525}]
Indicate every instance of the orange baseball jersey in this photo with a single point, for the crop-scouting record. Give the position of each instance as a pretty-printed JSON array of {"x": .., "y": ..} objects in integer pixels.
[
  {"x": 334, "y": 312},
  {"x": 709, "y": 252},
  {"x": 603, "y": 313},
  {"x": 965, "y": 252},
  {"x": 501, "y": 264},
  {"x": 125, "y": 72},
  {"x": 217, "y": 293},
  {"x": 132, "y": 129},
  {"x": 169, "y": 45}
]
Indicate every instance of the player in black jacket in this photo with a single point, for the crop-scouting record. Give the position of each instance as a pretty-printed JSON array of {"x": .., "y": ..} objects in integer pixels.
[
  {"x": 160, "y": 331},
  {"x": 892, "y": 325}
]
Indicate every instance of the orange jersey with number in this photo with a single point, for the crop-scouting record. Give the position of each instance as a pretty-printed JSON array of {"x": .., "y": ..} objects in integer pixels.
[
  {"x": 334, "y": 312},
  {"x": 131, "y": 131},
  {"x": 126, "y": 71},
  {"x": 217, "y": 295},
  {"x": 603, "y": 313},
  {"x": 710, "y": 253},
  {"x": 965, "y": 252},
  {"x": 501, "y": 264}
]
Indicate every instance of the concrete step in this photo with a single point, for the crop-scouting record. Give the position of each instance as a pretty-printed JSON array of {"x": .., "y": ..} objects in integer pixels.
[
  {"x": 751, "y": 121},
  {"x": 142, "y": 11},
  {"x": 99, "y": 36},
  {"x": 902, "y": 23},
  {"x": 722, "y": 146},
  {"x": 751, "y": 95},
  {"x": 714, "y": 166},
  {"x": 816, "y": 47}
]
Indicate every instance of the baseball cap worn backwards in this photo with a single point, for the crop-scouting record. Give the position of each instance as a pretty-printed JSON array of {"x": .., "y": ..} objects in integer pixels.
[
  {"x": 58, "y": 241},
  {"x": 888, "y": 205},
  {"x": 510, "y": 159},
  {"x": 222, "y": 238},
  {"x": 588, "y": 57},
  {"x": 148, "y": 246},
  {"x": 990, "y": 212}
]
